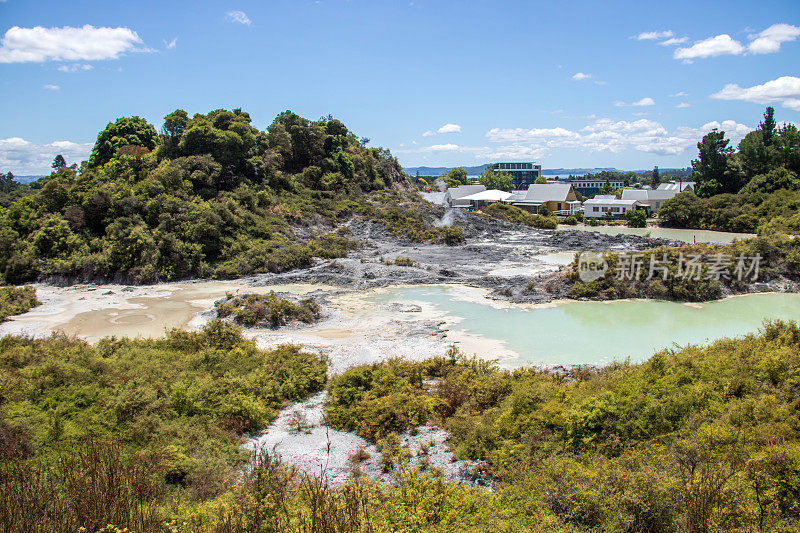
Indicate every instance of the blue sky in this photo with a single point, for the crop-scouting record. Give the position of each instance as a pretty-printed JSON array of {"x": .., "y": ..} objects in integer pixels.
[{"x": 568, "y": 84}]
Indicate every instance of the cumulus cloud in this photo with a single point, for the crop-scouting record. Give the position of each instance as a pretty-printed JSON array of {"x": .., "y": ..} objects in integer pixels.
[
  {"x": 769, "y": 41},
  {"x": 87, "y": 43},
  {"x": 75, "y": 67},
  {"x": 646, "y": 101},
  {"x": 713, "y": 46},
  {"x": 654, "y": 35},
  {"x": 598, "y": 135},
  {"x": 50, "y": 87},
  {"x": 580, "y": 76},
  {"x": 785, "y": 90},
  {"x": 683, "y": 105},
  {"x": 679, "y": 94},
  {"x": 450, "y": 128},
  {"x": 428, "y": 133},
  {"x": 26, "y": 158},
  {"x": 239, "y": 17},
  {"x": 171, "y": 44}
]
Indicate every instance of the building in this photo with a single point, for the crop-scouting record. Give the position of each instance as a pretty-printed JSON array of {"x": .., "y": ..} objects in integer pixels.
[
  {"x": 592, "y": 186},
  {"x": 555, "y": 196},
  {"x": 650, "y": 199},
  {"x": 523, "y": 174},
  {"x": 677, "y": 186},
  {"x": 608, "y": 206},
  {"x": 454, "y": 195},
  {"x": 483, "y": 198}
]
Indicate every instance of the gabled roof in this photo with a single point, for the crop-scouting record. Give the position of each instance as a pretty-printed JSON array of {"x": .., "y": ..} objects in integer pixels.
[
  {"x": 492, "y": 195},
  {"x": 680, "y": 186},
  {"x": 540, "y": 193},
  {"x": 648, "y": 194},
  {"x": 635, "y": 194},
  {"x": 464, "y": 190}
]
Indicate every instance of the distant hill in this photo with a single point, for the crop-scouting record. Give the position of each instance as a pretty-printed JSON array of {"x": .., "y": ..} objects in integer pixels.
[
  {"x": 26, "y": 179},
  {"x": 473, "y": 171}
]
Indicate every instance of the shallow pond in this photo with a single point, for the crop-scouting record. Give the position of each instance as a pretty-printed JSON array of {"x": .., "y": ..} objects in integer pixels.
[
  {"x": 685, "y": 235},
  {"x": 593, "y": 332}
]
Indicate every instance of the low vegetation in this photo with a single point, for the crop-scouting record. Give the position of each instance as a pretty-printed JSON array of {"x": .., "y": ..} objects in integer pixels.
[
  {"x": 268, "y": 310},
  {"x": 696, "y": 439},
  {"x": 184, "y": 401},
  {"x": 701, "y": 438},
  {"x": 629, "y": 275},
  {"x": 519, "y": 216},
  {"x": 16, "y": 300}
]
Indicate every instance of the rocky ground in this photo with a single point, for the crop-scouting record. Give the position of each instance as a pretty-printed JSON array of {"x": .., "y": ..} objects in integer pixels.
[{"x": 514, "y": 262}]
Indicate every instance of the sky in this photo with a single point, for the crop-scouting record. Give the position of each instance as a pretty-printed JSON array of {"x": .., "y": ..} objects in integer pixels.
[{"x": 590, "y": 83}]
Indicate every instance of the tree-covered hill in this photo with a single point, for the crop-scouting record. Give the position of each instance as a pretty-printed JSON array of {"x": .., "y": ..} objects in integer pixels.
[
  {"x": 208, "y": 196},
  {"x": 754, "y": 188}
]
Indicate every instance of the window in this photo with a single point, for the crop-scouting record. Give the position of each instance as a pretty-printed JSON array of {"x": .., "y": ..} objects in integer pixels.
[{"x": 595, "y": 209}]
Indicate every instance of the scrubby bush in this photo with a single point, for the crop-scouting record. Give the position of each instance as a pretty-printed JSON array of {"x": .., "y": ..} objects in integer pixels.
[
  {"x": 268, "y": 310},
  {"x": 520, "y": 216},
  {"x": 16, "y": 300}
]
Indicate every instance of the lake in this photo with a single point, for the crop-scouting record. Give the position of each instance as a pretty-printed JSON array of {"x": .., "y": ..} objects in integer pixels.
[{"x": 579, "y": 332}]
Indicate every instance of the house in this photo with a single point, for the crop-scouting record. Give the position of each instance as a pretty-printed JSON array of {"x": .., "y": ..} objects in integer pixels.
[
  {"x": 555, "y": 196},
  {"x": 651, "y": 199},
  {"x": 454, "y": 195},
  {"x": 677, "y": 186},
  {"x": 523, "y": 174},
  {"x": 483, "y": 198},
  {"x": 608, "y": 206}
]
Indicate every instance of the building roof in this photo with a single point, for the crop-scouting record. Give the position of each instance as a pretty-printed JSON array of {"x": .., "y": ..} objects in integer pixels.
[
  {"x": 676, "y": 186},
  {"x": 539, "y": 193},
  {"x": 464, "y": 190},
  {"x": 645, "y": 195},
  {"x": 605, "y": 196},
  {"x": 492, "y": 195},
  {"x": 611, "y": 202}
]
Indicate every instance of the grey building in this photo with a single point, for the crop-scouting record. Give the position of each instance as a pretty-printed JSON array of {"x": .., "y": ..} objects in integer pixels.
[{"x": 523, "y": 174}]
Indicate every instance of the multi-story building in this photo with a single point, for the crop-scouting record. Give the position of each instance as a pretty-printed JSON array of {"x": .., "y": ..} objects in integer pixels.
[
  {"x": 523, "y": 174},
  {"x": 590, "y": 187}
]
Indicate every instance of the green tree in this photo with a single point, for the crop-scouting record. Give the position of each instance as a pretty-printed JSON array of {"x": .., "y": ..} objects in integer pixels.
[
  {"x": 501, "y": 181},
  {"x": 124, "y": 131},
  {"x": 711, "y": 164},
  {"x": 636, "y": 218},
  {"x": 541, "y": 180},
  {"x": 455, "y": 177},
  {"x": 655, "y": 180},
  {"x": 768, "y": 126},
  {"x": 58, "y": 163}
]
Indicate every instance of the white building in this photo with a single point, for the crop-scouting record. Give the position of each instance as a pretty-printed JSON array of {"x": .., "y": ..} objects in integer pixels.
[
  {"x": 608, "y": 206},
  {"x": 652, "y": 199},
  {"x": 480, "y": 199},
  {"x": 454, "y": 195}
]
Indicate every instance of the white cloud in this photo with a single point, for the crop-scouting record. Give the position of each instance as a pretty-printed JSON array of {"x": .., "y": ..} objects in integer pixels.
[
  {"x": 785, "y": 90},
  {"x": 428, "y": 133},
  {"x": 679, "y": 94},
  {"x": 25, "y": 158},
  {"x": 599, "y": 135},
  {"x": 239, "y": 17},
  {"x": 75, "y": 67},
  {"x": 50, "y": 87},
  {"x": 171, "y": 44},
  {"x": 683, "y": 105},
  {"x": 646, "y": 101},
  {"x": 442, "y": 148},
  {"x": 88, "y": 43},
  {"x": 450, "y": 128},
  {"x": 654, "y": 35},
  {"x": 674, "y": 41},
  {"x": 713, "y": 46},
  {"x": 580, "y": 76},
  {"x": 769, "y": 41}
]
